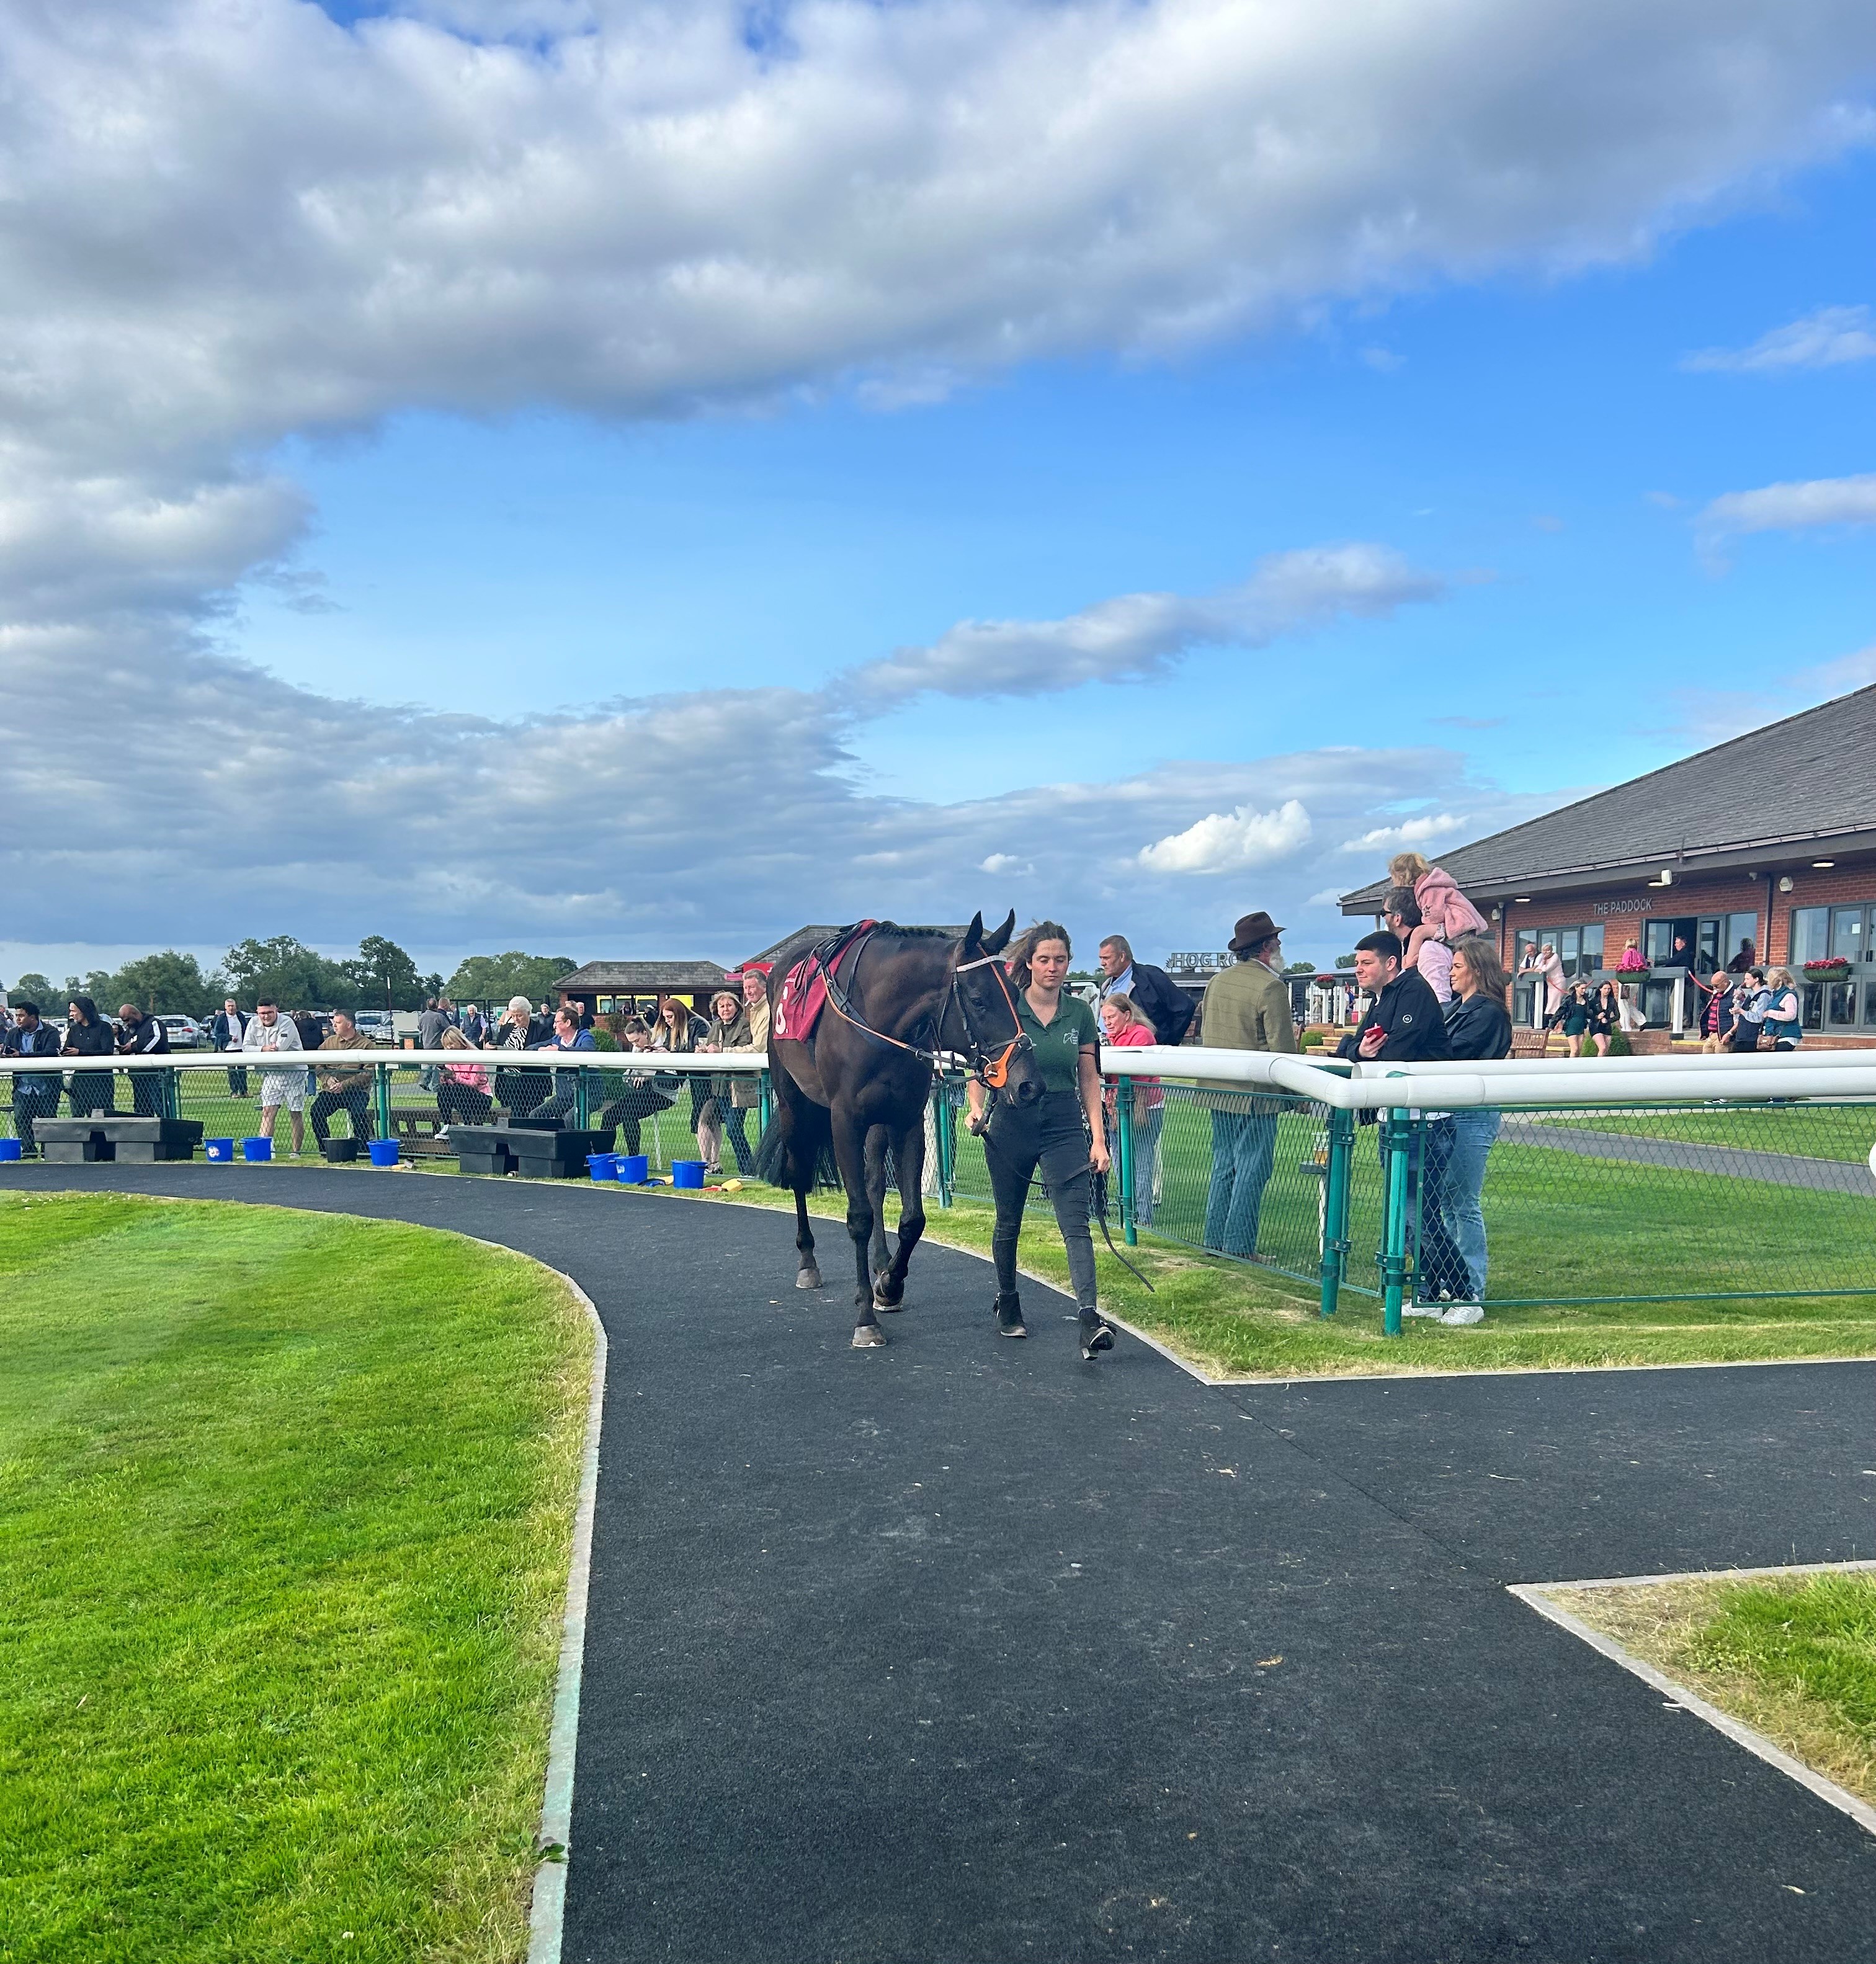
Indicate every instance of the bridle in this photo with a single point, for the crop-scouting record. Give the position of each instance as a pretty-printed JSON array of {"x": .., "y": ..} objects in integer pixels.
[{"x": 988, "y": 1068}]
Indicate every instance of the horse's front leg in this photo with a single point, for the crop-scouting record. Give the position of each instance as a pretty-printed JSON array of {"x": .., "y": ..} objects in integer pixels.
[
  {"x": 849, "y": 1154},
  {"x": 878, "y": 1250},
  {"x": 908, "y": 1158}
]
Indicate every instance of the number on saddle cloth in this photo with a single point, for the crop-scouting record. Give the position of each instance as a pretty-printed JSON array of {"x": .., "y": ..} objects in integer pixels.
[{"x": 804, "y": 991}]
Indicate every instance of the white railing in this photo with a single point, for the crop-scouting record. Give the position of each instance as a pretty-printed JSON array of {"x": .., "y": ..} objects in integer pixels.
[
  {"x": 1510, "y": 1081},
  {"x": 643, "y": 1062}
]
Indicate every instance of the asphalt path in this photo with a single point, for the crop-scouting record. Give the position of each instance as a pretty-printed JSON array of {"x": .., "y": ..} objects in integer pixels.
[
  {"x": 1850, "y": 1176},
  {"x": 963, "y": 1649}
]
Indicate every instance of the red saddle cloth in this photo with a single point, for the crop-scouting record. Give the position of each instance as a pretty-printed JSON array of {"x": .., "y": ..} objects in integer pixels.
[{"x": 805, "y": 988}]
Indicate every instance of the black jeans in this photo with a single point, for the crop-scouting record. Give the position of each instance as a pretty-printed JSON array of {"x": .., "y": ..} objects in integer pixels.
[
  {"x": 355, "y": 1103},
  {"x": 35, "y": 1095},
  {"x": 1052, "y": 1134},
  {"x": 462, "y": 1104}
]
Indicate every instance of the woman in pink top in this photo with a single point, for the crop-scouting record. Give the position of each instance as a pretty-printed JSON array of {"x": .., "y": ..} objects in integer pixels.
[
  {"x": 462, "y": 1093},
  {"x": 1125, "y": 1027}
]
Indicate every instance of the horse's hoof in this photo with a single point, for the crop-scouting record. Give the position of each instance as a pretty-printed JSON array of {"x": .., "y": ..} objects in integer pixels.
[
  {"x": 868, "y": 1336},
  {"x": 808, "y": 1278},
  {"x": 882, "y": 1299}
]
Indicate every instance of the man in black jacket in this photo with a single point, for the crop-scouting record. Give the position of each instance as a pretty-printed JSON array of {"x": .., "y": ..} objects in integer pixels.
[
  {"x": 35, "y": 1093},
  {"x": 1405, "y": 1024},
  {"x": 1159, "y": 998},
  {"x": 139, "y": 1036}
]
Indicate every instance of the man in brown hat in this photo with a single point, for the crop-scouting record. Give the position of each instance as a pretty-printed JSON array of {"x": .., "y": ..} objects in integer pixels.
[{"x": 1245, "y": 1007}]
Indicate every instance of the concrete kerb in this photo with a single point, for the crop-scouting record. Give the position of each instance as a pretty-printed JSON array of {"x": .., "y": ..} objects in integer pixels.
[{"x": 1535, "y": 1595}]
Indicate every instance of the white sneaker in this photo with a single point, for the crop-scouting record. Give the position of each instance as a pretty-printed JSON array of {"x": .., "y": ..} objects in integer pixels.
[
  {"x": 1420, "y": 1309},
  {"x": 1464, "y": 1313}
]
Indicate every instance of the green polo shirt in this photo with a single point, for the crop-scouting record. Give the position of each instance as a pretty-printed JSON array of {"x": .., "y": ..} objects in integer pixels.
[{"x": 1058, "y": 1043}]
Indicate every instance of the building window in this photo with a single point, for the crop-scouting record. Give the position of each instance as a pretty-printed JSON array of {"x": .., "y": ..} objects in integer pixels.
[
  {"x": 1703, "y": 942},
  {"x": 1846, "y": 934}
]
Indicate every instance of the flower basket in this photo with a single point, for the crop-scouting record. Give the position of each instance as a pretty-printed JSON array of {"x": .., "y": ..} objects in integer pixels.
[{"x": 1832, "y": 971}]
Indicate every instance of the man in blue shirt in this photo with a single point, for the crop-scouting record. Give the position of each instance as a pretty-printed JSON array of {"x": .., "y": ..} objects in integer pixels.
[{"x": 568, "y": 1036}]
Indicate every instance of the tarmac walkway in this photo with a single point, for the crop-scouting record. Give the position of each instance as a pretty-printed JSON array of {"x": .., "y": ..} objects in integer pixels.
[{"x": 961, "y": 1650}]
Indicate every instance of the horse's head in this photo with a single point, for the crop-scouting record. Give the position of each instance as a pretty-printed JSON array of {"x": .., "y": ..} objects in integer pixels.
[{"x": 999, "y": 1049}]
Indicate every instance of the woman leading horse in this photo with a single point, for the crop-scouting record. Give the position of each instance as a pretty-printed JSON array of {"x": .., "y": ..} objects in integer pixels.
[{"x": 897, "y": 999}]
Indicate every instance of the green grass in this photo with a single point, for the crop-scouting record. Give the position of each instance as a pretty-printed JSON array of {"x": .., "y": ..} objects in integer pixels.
[
  {"x": 1794, "y": 1658},
  {"x": 1232, "y": 1320},
  {"x": 285, "y": 1508}
]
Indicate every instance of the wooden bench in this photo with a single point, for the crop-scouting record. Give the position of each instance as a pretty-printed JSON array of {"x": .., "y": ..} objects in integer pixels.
[{"x": 415, "y": 1128}]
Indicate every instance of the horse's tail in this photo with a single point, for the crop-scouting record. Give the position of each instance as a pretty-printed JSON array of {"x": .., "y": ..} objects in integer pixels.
[{"x": 785, "y": 1157}]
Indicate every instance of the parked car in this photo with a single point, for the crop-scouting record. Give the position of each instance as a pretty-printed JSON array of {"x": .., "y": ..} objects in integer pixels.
[
  {"x": 374, "y": 1025},
  {"x": 185, "y": 1033}
]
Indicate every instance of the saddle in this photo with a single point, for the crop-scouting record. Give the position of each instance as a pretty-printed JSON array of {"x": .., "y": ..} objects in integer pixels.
[{"x": 804, "y": 993}]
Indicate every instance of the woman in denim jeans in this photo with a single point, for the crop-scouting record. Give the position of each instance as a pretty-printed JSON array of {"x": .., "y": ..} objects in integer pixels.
[{"x": 1477, "y": 1025}]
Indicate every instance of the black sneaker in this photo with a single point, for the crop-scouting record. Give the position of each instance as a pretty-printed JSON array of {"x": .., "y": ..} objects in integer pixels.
[
  {"x": 1095, "y": 1337},
  {"x": 1010, "y": 1315}
]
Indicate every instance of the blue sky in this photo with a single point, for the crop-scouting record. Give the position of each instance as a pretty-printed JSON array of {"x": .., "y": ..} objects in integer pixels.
[{"x": 527, "y": 527}]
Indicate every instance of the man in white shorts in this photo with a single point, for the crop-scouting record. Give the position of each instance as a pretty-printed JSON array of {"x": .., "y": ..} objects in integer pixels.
[{"x": 269, "y": 1030}]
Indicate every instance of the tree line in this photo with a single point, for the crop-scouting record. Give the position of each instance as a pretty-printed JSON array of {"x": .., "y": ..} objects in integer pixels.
[{"x": 380, "y": 976}]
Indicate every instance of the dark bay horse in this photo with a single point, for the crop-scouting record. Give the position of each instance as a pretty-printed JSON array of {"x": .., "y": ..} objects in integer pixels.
[{"x": 858, "y": 1088}]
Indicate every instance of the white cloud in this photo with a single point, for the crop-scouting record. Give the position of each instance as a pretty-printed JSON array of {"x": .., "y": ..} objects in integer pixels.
[
  {"x": 1004, "y": 862},
  {"x": 1227, "y": 841},
  {"x": 1826, "y": 339},
  {"x": 1138, "y": 634},
  {"x": 1409, "y": 832},
  {"x": 225, "y": 224},
  {"x": 1793, "y": 507}
]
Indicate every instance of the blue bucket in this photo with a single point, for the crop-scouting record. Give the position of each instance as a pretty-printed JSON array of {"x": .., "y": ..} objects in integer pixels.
[
  {"x": 603, "y": 1166},
  {"x": 254, "y": 1149},
  {"x": 384, "y": 1152},
  {"x": 687, "y": 1172},
  {"x": 221, "y": 1151},
  {"x": 632, "y": 1168},
  {"x": 10, "y": 1149}
]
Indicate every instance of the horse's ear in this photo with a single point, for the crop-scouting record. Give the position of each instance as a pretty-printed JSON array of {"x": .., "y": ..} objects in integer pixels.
[
  {"x": 995, "y": 944},
  {"x": 974, "y": 934}
]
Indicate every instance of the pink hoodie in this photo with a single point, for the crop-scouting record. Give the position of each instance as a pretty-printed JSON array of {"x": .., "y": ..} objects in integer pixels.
[{"x": 1444, "y": 908}]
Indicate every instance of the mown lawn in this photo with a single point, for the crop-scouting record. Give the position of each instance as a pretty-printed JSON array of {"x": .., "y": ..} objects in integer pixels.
[
  {"x": 1793, "y": 1657},
  {"x": 1233, "y": 1320},
  {"x": 283, "y": 1532}
]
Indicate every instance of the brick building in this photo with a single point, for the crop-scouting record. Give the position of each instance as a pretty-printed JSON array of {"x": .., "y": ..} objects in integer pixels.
[{"x": 1760, "y": 849}]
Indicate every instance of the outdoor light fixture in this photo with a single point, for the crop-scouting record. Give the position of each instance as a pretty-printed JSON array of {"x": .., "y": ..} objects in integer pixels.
[
  {"x": 1667, "y": 876},
  {"x": 1819, "y": 864},
  {"x": 1523, "y": 900},
  {"x": 1784, "y": 883}
]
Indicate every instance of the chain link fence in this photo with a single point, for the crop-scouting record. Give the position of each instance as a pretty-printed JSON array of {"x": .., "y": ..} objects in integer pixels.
[{"x": 1579, "y": 1203}]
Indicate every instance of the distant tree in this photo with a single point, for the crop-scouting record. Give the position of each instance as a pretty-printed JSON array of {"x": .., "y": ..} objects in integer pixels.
[
  {"x": 295, "y": 976},
  {"x": 1299, "y": 968},
  {"x": 35, "y": 987},
  {"x": 1345, "y": 961},
  {"x": 493, "y": 978},
  {"x": 168, "y": 984},
  {"x": 385, "y": 976}
]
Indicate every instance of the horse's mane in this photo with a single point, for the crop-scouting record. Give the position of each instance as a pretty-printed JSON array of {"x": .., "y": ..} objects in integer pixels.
[{"x": 914, "y": 933}]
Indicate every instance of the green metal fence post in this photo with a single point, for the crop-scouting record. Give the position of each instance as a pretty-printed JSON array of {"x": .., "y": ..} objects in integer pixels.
[
  {"x": 381, "y": 1088},
  {"x": 762, "y": 1102},
  {"x": 1123, "y": 1132},
  {"x": 583, "y": 1098},
  {"x": 1397, "y": 1133},
  {"x": 1341, "y": 1150},
  {"x": 941, "y": 1132}
]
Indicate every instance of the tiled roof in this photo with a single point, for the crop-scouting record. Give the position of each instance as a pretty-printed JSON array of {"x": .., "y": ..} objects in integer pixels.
[
  {"x": 642, "y": 978},
  {"x": 1772, "y": 792}
]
